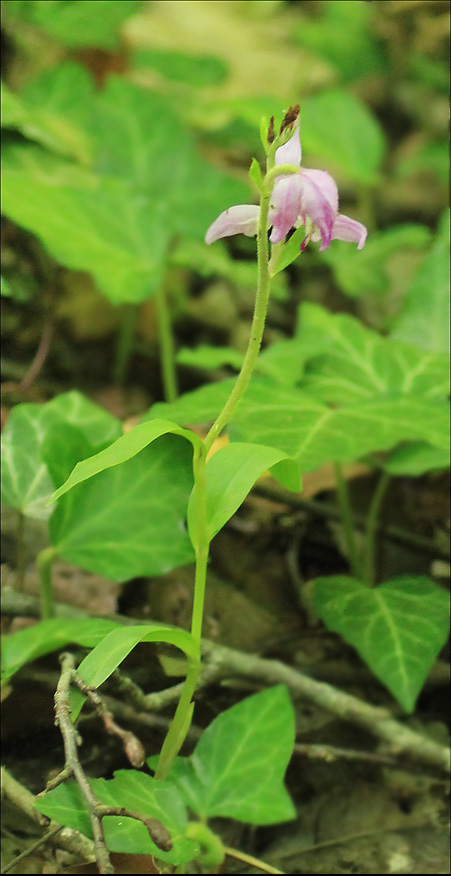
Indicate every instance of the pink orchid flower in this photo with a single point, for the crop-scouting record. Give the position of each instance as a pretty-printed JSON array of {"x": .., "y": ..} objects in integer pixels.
[{"x": 308, "y": 197}]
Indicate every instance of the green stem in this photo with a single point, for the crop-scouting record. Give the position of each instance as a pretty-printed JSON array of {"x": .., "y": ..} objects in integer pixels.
[
  {"x": 180, "y": 723},
  {"x": 183, "y": 714},
  {"x": 372, "y": 525},
  {"x": 348, "y": 522},
  {"x": 167, "y": 351},
  {"x": 124, "y": 346},
  {"x": 182, "y": 719},
  {"x": 44, "y": 564},
  {"x": 258, "y": 325}
]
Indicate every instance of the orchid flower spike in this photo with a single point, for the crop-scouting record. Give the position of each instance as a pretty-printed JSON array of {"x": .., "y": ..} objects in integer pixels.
[{"x": 308, "y": 197}]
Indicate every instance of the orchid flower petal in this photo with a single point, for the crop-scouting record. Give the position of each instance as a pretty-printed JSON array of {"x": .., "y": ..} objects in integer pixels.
[
  {"x": 319, "y": 202},
  {"x": 349, "y": 230},
  {"x": 241, "y": 219},
  {"x": 290, "y": 152},
  {"x": 285, "y": 206}
]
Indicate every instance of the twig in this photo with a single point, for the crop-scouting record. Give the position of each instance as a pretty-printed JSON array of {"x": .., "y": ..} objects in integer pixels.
[
  {"x": 66, "y": 838},
  {"x": 36, "y": 845},
  {"x": 249, "y": 859},
  {"x": 330, "y": 754},
  {"x": 401, "y": 741},
  {"x": 97, "y": 811},
  {"x": 223, "y": 663}
]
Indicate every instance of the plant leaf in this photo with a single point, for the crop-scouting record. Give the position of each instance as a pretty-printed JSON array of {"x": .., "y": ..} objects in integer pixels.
[
  {"x": 125, "y": 448},
  {"x": 366, "y": 272},
  {"x": 338, "y": 128},
  {"x": 238, "y": 767},
  {"x": 80, "y": 22},
  {"x": 98, "y": 665},
  {"x": 424, "y": 318},
  {"x": 357, "y": 363},
  {"x": 26, "y": 480},
  {"x": 397, "y": 628},
  {"x": 117, "y": 220},
  {"x": 47, "y": 636},
  {"x": 231, "y": 473},
  {"x": 415, "y": 460},
  {"x": 140, "y": 529},
  {"x": 138, "y": 793}
]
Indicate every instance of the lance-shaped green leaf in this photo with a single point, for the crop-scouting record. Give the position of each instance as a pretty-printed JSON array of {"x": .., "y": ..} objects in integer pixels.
[
  {"x": 238, "y": 767},
  {"x": 397, "y": 628},
  {"x": 231, "y": 473},
  {"x": 138, "y": 793},
  {"x": 129, "y": 520},
  {"x": 125, "y": 448},
  {"x": 50, "y": 635},
  {"x": 99, "y": 664}
]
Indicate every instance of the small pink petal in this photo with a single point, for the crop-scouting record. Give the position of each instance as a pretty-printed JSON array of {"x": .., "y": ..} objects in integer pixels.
[
  {"x": 290, "y": 152},
  {"x": 319, "y": 202},
  {"x": 285, "y": 206},
  {"x": 350, "y": 230},
  {"x": 241, "y": 219}
]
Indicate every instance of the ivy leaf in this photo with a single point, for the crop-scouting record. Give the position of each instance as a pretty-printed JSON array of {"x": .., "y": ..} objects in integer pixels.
[
  {"x": 207, "y": 357},
  {"x": 424, "y": 318},
  {"x": 147, "y": 184},
  {"x": 197, "y": 70},
  {"x": 80, "y": 22},
  {"x": 338, "y": 128},
  {"x": 416, "y": 459},
  {"x": 309, "y": 431},
  {"x": 26, "y": 479},
  {"x": 26, "y": 482},
  {"x": 140, "y": 529},
  {"x": 47, "y": 128},
  {"x": 138, "y": 793},
  {"x": 397, "y": 628},
  {"x": 313, "y": 433},
  {"x": 366, "y": 271},
  {"x": 357, "y": 363},
  {"x": 237, "y": 768}
]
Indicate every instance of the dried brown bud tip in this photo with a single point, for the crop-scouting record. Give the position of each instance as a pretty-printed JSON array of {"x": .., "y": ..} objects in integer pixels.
[
  {"x": 159, "y": 834},
  {"x": 134, "y": 750},
  {"x": 290, "y": 118},
  {"x": 271, "y": 130}
]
